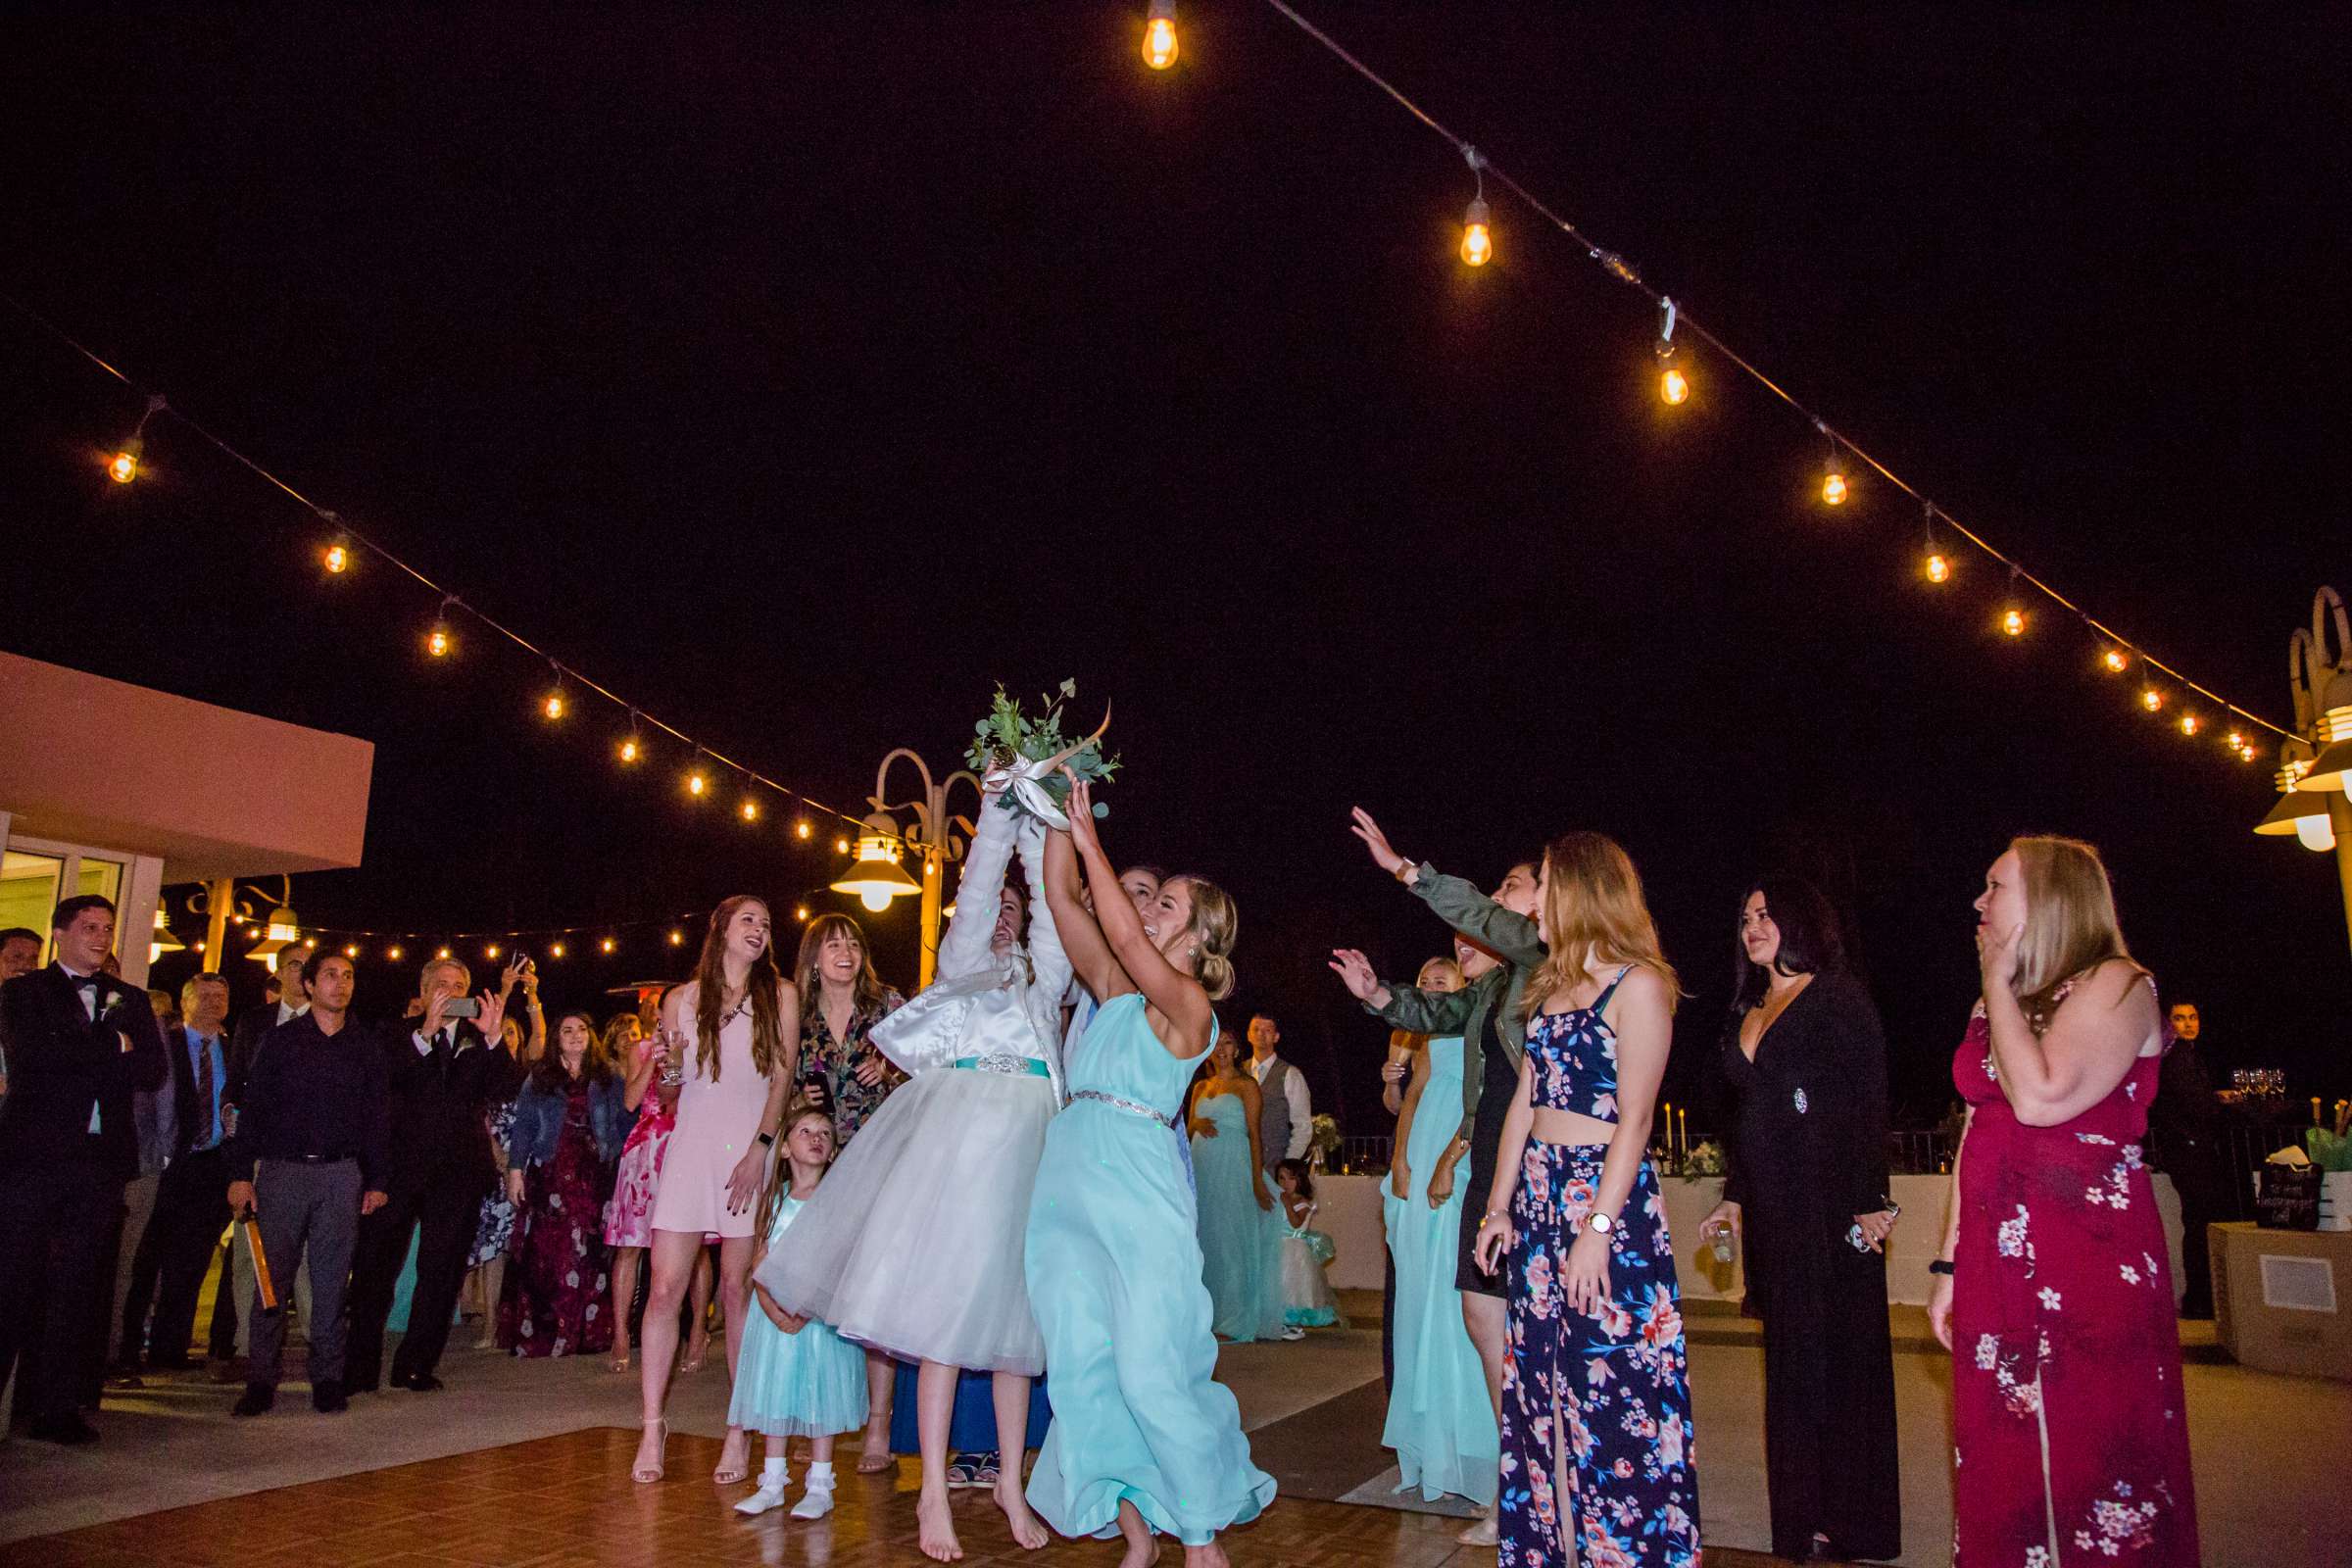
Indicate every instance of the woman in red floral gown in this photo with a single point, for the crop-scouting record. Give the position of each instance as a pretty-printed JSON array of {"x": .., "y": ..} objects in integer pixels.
[{"x": 2070, "y": 1433}]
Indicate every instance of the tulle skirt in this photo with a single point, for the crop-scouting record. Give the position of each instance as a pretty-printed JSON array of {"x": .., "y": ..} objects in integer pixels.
[
  {"x": 805, "y": 1385},
  {"x": 1306, "y": 1298},
  {"x": 913, "y": 1241}
]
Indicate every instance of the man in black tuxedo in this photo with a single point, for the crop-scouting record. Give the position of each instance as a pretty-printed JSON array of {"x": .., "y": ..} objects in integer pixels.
[
  {"x": 80, "y": 1043},
  {"x": 191, "y": 1206},
  {"x": 445, "y": 1074}
]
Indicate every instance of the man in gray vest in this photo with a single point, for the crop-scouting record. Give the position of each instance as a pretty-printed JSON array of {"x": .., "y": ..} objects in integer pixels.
[{"x": 1285, "y": 1122}]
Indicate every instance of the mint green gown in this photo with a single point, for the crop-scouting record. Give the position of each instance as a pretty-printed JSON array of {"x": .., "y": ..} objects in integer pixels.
[
  {"x": 1114, "y": 1277},
  {"x": 1241, "y": 1256}
]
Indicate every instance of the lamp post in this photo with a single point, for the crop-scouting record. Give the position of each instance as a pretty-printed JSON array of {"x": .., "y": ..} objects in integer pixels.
[
  {"x": 876, "y": 876},
  {"x": 2315, "y": 765}
]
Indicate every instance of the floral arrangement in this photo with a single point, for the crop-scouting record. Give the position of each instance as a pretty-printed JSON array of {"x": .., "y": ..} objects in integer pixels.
[
  {"x": 1322, "y": 1142},
  {"x": 1705, "y": 1159},
  {"x": 1035, "y": 751}
]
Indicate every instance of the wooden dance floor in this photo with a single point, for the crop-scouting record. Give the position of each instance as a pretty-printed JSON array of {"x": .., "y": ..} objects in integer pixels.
[{"x": 567, "y": 1500}]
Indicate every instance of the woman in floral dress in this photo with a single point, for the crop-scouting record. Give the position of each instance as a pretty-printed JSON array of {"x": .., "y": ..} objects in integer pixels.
[
  {"x": 840, "y": 1068},
  {"x": 629, "y": 1216},
  {"x": 2070, "y": 1433},
  {"x": 568, "y": 1127}
]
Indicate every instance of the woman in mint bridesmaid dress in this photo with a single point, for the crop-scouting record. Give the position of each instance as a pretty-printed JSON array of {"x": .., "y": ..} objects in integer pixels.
[
  {"x": 1143, "y": 1439},
  {"x": 1441, "y": 1421},
  {"x": 1239, "y": 1234}
]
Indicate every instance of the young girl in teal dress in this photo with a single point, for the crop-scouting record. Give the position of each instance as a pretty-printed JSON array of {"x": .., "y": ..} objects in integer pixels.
[
  {"x": 1143, "y": 1439},
  {"x": 795, "y": 1377},
  {"x": 1303, "y": 1290}
]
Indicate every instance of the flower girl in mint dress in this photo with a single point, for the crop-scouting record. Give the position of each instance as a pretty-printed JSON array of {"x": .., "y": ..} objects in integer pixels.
[
  {"x": 795, "y": 1377},
  {"x": 1304, "y": 1292},
  {"x": 1145, "y": 1440}
]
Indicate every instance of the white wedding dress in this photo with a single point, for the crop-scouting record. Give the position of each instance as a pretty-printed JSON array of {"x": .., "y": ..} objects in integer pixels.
[{"x": 913, "y": 1241}]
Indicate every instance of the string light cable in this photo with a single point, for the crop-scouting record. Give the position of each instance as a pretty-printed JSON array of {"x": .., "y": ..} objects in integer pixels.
[
  {"x": 441, "y": 640},
  {"x": 1675, "y": 385}
]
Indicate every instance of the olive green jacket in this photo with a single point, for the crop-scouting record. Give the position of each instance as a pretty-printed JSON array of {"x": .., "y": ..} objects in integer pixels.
[{"x": 1467, "y": 1012}]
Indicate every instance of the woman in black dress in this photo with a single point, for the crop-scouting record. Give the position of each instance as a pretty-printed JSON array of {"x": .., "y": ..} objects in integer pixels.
[{"x": 1805, "y": 1061}]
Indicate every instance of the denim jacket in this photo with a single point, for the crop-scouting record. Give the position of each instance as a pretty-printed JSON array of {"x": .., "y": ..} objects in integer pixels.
[
  {"x": 539, "y": 1122},
  {"x": 1468, "y": 1013}
]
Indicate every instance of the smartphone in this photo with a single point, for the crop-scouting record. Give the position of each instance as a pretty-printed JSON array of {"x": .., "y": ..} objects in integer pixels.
[{"x": 462, "y": 1007}]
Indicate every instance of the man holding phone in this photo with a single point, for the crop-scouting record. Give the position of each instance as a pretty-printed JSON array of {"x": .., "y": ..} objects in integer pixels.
[{"x": 445, "y": 1073}]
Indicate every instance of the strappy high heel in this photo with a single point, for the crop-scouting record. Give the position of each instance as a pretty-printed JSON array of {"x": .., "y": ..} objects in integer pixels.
[
  {"x": 641, "y": 1474},
  {"x": 728, "y": 1475}
]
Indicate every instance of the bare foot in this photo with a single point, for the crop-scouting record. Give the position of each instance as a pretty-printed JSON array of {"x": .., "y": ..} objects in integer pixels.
[
  {"x": 1480, "y": 1534},
  {"x": 1027, "y": 1527},
  {"x": 876, "y": 1457},
  {"x": 1211, "y": 1555},
  {"x": 937, "y": 1526},
  {"x": 1141, "y": 1554}
]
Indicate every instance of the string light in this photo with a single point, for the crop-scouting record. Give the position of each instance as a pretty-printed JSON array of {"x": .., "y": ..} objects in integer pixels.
[
  {"x": 1478, "y": 240},
  {"x": 393, "y": 954},
  {"x": 2115, "y": 660},
  {"x": 490, "y": 952},
  {"x": 750, "y": 810},
  {"x": 677, "y": 939},
  {"x": 1159, "y": 34},
  {"x": 2151, "y": 698},
  {"x": 338, "y": 558},
  {"x": 123, "y": 465},
  {"x": 555, "y": 950},
  {"x": 443, "y": 953},
  {"x": 800, "y": 914},
  {"x": 1833, "y": 477},
  {"x": 628, "y": 750},
  {"x": 696, "y": 784},
  {"x": 607, "y": 945},
  {"x": 440, "y": 642},
  {"x": 801, "y": 828},
  {"x": 2013, "y": 618},
  {"x": 841, "y": 845},
  {"x": 1939, "y": 568},
  {"x": 554, "y": 706},
  {"x": 2190, "y": 724},
  {"x": 351, "y": 951},
  {"x": 1673, "y": 385}
]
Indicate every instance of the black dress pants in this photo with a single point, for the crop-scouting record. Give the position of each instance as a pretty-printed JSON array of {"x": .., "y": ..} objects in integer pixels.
[
  {"x": 445, "y": 1215},
  {"x": 191, "y": 1209},
  {"x": 55, "y": 1228}
]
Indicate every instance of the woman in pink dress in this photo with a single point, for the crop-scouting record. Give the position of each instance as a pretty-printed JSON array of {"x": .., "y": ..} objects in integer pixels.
[
  {"x": 629, "y": 1216},
  {"x": 731, "y": 1037},
  {"x": 2070, "y": 1433}
]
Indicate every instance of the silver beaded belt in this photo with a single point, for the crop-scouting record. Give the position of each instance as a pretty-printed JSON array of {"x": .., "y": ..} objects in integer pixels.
[{"x": 1116, "y": 1103}]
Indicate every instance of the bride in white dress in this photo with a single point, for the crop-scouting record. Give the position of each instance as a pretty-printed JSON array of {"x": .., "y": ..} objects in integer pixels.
[{"x": 914, "y": 1242}]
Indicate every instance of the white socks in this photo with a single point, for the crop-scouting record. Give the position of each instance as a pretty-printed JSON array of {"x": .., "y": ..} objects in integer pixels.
[
  {"x": 774, "y": 1477},
  {"x": 818, "y": 1500}
]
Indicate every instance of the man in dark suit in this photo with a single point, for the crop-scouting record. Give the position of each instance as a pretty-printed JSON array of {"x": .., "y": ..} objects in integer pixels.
[
  {"x": 444, "y": 1074},
  {"x": 191, "y": 1203},
  {"x": 80, "y": 1043}
]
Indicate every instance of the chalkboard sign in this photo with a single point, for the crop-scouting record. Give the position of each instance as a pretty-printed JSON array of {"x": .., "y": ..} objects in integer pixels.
[{"x": 2288, "y": 1198}]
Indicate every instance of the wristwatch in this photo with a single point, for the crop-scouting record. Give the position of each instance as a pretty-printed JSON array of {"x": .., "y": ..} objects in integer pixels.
[
  {"x": 767, "y": 1140},
  {"x": 1600, "y": 1222}
]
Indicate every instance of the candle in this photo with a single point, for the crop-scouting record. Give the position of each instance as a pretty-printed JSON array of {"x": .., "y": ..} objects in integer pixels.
[
  {"x": 1667, "y": 1143},
  {"x": 2315, "y": 1110},
  {"x": 1682, "y": 1130}
]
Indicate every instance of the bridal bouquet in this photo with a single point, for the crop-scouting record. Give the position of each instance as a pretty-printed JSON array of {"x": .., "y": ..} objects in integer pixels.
[{"x": 1024, "y": 756}]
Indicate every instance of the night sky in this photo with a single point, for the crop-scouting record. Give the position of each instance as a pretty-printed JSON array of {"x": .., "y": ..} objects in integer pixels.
[{"x": 800, "y": 372}]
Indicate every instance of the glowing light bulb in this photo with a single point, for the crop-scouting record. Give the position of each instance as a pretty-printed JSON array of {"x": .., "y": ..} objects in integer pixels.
[
  {"x": 443, "y": 953},
  {"x": 2236, "y": 740},
  {"x": 1478, "y": 240},
  {"x": 2190, "y": 724},
  {"x": 606, "y": 945},
  {"x": 677, "y": 939},
  {"x": 490, "y": 952},
  {"x": 123, "y": 465},
  {"x": 2151, "y": 698},
  {"x": 875, "y": 900},
  {"x": 1938, "y": 569},
  {"x": 841, "y": 845},
  {"x": 393, "y": 954},
  {"x": 2115, "y": 660},
  {"x": 1159, "y": 35},
  {"x": 1832, "y": 488},
  {"x": 338, "y": 559},
  {"x": 438, "y": 642},
  {"x": 553, "y": 708},
  {"x": 555, "y": 950},
  {"x": 1674, "y": 386},
  {"x": 2013, "y": 622},
  {"x": 750, "y": 810},
  {"x": 696, "y": 784},
  {"x": 629, "y": 751},
  {"x": 801, "y": 914},
  {"x": 351, "y": 953}
]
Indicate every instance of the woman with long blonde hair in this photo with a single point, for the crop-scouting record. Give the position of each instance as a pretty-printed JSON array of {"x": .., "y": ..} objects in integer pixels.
[
  {"x": 1597, "y": 1431},
  {"x": 731, "y": 1037},
  {"x": 2052, "y": 1289}
]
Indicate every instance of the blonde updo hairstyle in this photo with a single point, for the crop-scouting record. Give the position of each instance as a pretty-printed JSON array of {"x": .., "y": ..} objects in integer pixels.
[{"x": 1217, "y": 923}]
